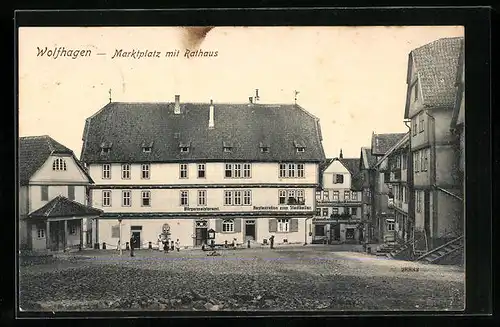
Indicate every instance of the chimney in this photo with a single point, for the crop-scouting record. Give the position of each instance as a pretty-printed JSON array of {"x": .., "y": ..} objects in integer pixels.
[
  {"x": 211, "y": 121},
  {"x": 341, "y": 156},
  {"x": 250, "y": 99},
  {"x": 177, "y": 108}
]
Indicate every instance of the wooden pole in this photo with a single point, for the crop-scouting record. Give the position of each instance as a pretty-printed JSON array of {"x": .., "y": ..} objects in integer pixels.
[
  {"x": 47, "y": 234},
  {"x": 120, "y": 238},
  {"x": 65, "y": 234},
  {"x": 81, "y": 233}
]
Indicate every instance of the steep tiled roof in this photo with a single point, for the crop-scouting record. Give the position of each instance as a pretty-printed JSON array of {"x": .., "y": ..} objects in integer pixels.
[
  {"x": 381, "y": 143},
  {"x": 325, "y": 164},
  {"x": 459, "y": 84},
  {"x": 126, "y": 126},
  {"x": 357, "y": 182},
  {"x": 352, "y": 164},
  {"x": 63, "y": 207},
  {"x": 34, "y": 152},
  {"x": 367, "y": 160},
  {"x": 436, "y": 64}
]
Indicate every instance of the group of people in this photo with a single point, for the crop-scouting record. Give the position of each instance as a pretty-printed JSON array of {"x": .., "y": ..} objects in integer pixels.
[{"x": 167, "y": 244}]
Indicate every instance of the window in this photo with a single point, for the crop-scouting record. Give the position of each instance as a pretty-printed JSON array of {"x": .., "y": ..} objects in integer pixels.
[
  {"x": 335, "y": 195},
  {"x": 282, "y": 170},
  {"x": 318, "y": 211},
  {"x": 72, "y": 228},
  {"x": 45, "y": 192},
  {"x": 398, "y": 162},
  {"x": 228, "y": 149},
  {"x": 300, "y": 170},
  {"x": 414, "y": 124},
  {"x": 318, "y": 195},
  {"x": 405, "y": 197},
  {"x": 125, "y": 171},
  {"x": 354, "y": 195},
  {"x": 183, "y": 170},
  {"x": 184, "y": 149},
  {"x": 59, "y": 164},
  {"x": 41, "y": 233},
  {"x": 390, "y": 227},
  {"x": 326, "y": 195},
  {"x": 325, "y": 212},
  {"x": 201, "y": 170},
  {"x": 126, "y": 198},
  {"x": 229, "y": 171},
  {"x": 291, "y": 197},
  {"x": 202, "y": 198},
  {"x": 106, "y": 198},
  {"x": 146, "y": 149},
  {"x": 105, "y": 150},
  {"x": 228, "y": 226},
  {"x": 415, "y": 91},
  {"x": 354, "y": 211},
  {"x": 247, "y": 197},
  {"x": 145, "y": 171},
  {"x": 283, "y": 225},
  {"x": 338, "y": 179},
  {"x": 237, "y": 171},
  {"x": 335, "y": 211},
  {"x": 71, "y": 192},
  {"x": 418, "y": 201},
  {"x": 115, "y": 231},
  {"x": 416, "y": 161},
  {"x": 404, "y": 161},
  {"x": 421, "y": 123},
  {"x": 237, "y": 198},
  {"x": 426, "y": 159},
  {"x": 106, "y": 171},
  {"x": 282, "y": 197},
  {"x": 146, "y": 198},
  {"x": 291, "y": 170},
  {"x": 247, "y": 169},
  {"x": 228, "y": 198},
  {"x": 347, "y": 195},
  {"x": 264, "y": 149},
  {"x": 184, "y": 198}
]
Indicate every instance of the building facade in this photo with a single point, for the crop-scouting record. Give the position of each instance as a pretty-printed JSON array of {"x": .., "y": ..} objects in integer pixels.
[
  {"x": 338, "y": 215},
  {"x": 431, "y": 97},
  {"x": 53, "y": 210},
  {"x": 247, "y": 171}
]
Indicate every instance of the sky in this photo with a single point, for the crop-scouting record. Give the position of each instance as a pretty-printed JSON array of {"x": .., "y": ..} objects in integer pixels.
[{"x": 352, "y": 78}]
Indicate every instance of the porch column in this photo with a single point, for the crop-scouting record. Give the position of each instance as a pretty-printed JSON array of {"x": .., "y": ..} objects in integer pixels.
[
  {"x": 47, "y": 234},
  {"x": 81, "y": 233},
  {"x": 65, "y": 234}
]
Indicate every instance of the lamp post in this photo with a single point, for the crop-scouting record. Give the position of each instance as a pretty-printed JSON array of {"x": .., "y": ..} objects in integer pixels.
[{"x": 120, "y": 235}]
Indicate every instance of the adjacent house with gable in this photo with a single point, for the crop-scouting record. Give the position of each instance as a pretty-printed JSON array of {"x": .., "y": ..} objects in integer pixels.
[
  {"x": 433, "y": 72},
  {"x": 53, "y": 210},
  {"x": 339, "y": 202}
]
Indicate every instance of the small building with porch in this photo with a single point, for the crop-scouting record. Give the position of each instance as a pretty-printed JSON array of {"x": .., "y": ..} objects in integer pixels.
[{"x": 53, "y": 210}]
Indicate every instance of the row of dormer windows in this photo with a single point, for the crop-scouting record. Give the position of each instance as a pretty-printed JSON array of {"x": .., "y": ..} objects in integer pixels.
[
  {"x": 185, "y": 147},
  {"x": 231, "y": 170}
]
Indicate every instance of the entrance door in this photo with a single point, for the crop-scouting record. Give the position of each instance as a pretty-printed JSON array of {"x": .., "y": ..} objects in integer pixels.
[
  {"x": 136, "y": 236},
  {"x": 250, "y": 233},
  {"x": 336, "y": 232},
  {"x": 201, "y": 233}
]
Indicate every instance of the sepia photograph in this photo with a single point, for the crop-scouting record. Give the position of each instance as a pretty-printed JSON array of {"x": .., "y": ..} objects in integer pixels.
[{"x": 241, "y": 168}]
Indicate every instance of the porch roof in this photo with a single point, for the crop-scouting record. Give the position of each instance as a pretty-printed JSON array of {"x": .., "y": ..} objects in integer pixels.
[{"x": 61, "y": 206}]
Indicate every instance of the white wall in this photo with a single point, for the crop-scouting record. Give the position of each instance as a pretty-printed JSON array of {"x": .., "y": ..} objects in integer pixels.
[
  {"x": 336, "y": 167},
  {"x": 184, "y": 229},
  {"x": 168, "y": 200},
  {"x": 168, "y": 173},
  {"x": 35, "y": 194},
  {"x": 72, "y": 174}
]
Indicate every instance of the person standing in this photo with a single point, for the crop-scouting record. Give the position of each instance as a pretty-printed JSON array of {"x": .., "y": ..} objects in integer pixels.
[
  {"x": 271, "y": 240},
  {"x": 160, "y": 243},
  {"x": 132, "y": 242},
  {"x": 178, "y": 245},
  {"x": 172, "y": 246}
]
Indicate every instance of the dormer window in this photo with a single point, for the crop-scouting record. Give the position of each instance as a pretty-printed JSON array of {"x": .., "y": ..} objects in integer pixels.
[
  {"x": 264, "y": 148},
  {"x": 106, "y": 147},
  {"x": 227, "y": 146},
  {"x": 147, "y": 147},
  {"x": 59, "y": 164},
  {"x": 299, "y": 146},
  {"x": 184, "y": 147}
]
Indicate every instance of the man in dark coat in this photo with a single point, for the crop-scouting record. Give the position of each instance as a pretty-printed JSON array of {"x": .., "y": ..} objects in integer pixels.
[
  {"x": 132, "y": 243},
  {"x": 271, "y": 239}
]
